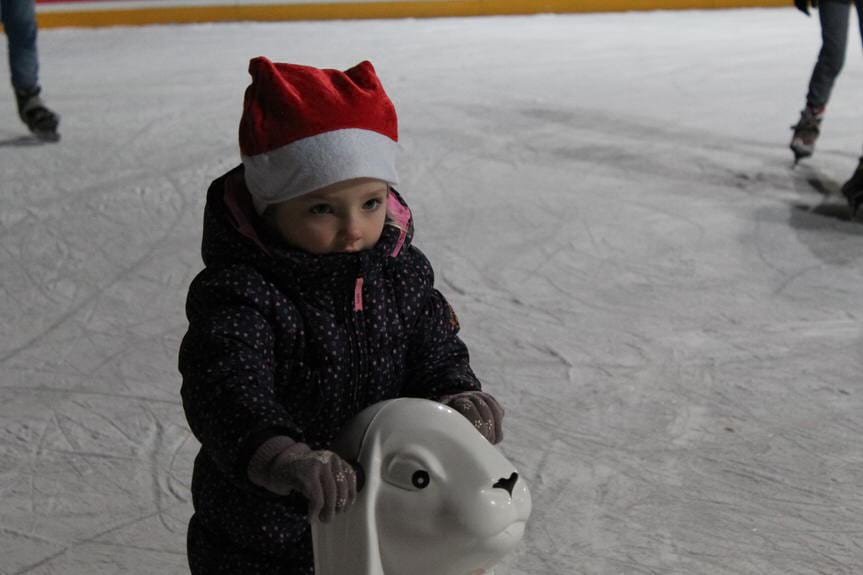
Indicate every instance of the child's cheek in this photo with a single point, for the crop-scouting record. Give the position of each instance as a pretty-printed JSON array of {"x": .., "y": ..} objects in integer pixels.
[{"x": 321, "y": 237}]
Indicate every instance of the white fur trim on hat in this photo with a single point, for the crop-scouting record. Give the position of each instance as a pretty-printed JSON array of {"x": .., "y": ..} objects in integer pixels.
[{"x": 318, "y": 161}]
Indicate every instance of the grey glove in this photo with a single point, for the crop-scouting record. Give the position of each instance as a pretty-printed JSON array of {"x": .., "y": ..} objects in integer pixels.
[
  {"x": 481, "y": 409},
  {"x": 329, "y": 482}
]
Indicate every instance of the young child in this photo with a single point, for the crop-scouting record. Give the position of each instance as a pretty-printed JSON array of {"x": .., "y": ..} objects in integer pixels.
[{"x": 313, "y": 305}]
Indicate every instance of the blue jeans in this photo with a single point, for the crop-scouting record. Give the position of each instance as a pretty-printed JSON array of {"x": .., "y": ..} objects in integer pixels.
[
  {"x": 834, "y": 15},
  {"x": 19, "y": 21}
]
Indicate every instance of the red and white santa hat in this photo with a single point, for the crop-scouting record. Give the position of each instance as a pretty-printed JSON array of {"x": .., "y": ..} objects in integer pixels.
[{"x": 305, "y": 128}]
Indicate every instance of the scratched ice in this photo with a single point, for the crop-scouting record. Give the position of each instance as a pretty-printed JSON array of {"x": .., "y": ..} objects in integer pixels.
[{"x": 669, "y": 313}]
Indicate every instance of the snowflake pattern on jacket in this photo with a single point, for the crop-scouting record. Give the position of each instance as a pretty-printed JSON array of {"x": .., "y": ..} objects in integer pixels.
[{"x": 283, "y": 342}]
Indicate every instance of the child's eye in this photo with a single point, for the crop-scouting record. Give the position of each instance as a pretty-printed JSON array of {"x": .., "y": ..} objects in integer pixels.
[
  {"x": 321, "y": 209},
  {"x": 372, "y": 204}
]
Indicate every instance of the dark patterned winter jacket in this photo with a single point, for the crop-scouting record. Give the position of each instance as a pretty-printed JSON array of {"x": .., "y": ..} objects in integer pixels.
[{"x": 282, "y": 342}]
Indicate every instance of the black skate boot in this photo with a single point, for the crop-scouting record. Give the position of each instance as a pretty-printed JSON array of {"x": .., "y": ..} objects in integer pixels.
[
  {"x": 806, "y": 132},
  {"x": 41, "y": 121},
  {"x": 853, "y": 192}
]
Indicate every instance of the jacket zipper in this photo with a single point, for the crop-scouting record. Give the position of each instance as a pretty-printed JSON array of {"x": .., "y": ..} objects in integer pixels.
[
  {"x": 358, "y": 294},
  {"x": 355, "y": 339}
]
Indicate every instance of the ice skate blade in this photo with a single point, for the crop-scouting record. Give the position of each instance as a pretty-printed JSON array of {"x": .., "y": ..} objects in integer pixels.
[
  {"x": 49, "y": 137},
  {"x": 800, "y": 154}
]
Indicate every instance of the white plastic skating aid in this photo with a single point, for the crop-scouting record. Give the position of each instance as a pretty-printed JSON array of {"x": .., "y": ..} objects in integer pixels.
[{"x": 437, "y": 499}]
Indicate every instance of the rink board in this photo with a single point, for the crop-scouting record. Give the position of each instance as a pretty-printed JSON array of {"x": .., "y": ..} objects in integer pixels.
[{"x": 89, "y": 13}]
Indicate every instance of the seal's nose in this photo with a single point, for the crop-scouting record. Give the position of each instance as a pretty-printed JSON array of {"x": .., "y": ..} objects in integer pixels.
[{"x": 507, "y": 483}]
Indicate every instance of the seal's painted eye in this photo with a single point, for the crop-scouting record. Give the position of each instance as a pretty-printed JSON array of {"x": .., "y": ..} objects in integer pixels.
[
  {"x": 407, "y": 473},
  {"x": 420, "y": 479}
]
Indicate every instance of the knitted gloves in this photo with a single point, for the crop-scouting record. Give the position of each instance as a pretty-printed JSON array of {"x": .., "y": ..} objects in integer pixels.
[
  {"x": 282, "y": 465},
  {"x": 481, "y": 409}
]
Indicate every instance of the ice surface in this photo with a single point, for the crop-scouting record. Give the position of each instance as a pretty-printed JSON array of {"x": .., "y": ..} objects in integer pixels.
[{"x": 669, "y": 313}]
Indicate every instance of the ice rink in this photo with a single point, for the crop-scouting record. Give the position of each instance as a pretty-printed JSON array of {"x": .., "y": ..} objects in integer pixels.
[{"x": 670, "y": 314}]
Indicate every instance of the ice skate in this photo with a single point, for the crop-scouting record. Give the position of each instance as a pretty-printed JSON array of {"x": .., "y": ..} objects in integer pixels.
[
  {"x": 853, "y": 192},
  {"x": 40, "y": 120},
  {"x": 806, "y": 132}
]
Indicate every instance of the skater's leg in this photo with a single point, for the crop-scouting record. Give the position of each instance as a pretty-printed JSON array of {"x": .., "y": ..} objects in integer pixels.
[
  {"x": 19, "y": 22},
  {"x": 859, "y": 5},
  {"x": 853, "y": 192},
  {"x": 834, "y": 15},
  {"x": 853, "y": 188}
]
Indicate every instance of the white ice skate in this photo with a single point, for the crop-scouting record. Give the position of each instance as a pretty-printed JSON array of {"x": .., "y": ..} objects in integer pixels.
[{"x": 437, "y": 499}]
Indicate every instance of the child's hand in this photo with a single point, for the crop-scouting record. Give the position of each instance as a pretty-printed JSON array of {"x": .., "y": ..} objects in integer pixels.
[
  {"x": 481, "y": 409},
  {"x": 324, "y": 478}
]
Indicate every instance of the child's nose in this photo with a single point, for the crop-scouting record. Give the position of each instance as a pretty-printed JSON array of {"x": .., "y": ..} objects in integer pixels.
[{"x": 351, "y": 229}]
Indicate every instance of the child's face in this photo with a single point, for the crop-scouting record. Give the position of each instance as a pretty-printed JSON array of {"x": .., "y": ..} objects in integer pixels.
[{"x": 347, "y": 216}]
